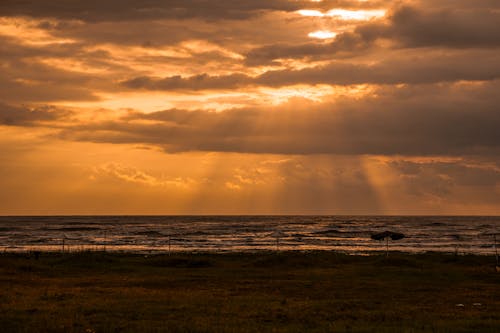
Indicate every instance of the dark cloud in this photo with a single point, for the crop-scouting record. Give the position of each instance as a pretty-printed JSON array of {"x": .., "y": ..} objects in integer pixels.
[
  {"x": 450, "y": 27},
  {"x": 457, "y": 25},
  {"x": 45, "y": 84},
  {"x": 345, "y": 43},
  {"x": 23, "y": 116},
  {"x": 404, "y": 68},
  {"x": 30, "y": 72},
  {"x": 394, "y": 69},
  {"x": 15, "y": 92},
  {"x": 464, "y": 4},
  {"x": 418, "y": 43},
  {"x": 119, "y": 10},
  {"x": 136, "y": 33},
  {"x": 430, "y": 120},
  {"x": 197, "y": 82}
]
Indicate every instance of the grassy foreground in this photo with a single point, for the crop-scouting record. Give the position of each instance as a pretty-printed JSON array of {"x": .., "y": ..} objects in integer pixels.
[{"x": 265, "y": 292}]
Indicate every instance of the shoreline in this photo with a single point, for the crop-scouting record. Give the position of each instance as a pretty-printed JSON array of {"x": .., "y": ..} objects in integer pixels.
[{"x": 49, "y": 249}]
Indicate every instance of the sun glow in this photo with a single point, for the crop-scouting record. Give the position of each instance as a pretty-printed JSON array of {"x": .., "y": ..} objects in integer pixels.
[
  {"x": 356, "y": 14},
  {"x": 345, "y": 14},
  {"x": 309, "y": 12},
  {"x": 283, "y": 95},
  {"x": 322, "y": 34}
]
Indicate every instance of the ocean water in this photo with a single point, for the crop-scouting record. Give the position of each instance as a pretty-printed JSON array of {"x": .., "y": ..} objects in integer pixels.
[{"x": 349, "y": 234}]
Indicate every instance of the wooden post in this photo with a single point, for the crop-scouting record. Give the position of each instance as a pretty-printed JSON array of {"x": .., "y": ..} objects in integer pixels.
[
  {"x": 169, "y": 240},
  {"x": 496, "y": 249}
]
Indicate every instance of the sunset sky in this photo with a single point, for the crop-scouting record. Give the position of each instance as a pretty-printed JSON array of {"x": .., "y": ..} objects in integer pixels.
[{"x": 250, "y": 107}]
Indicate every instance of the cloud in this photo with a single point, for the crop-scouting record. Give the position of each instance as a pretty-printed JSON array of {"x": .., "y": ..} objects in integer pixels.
[
  {"x": 449, "y": 27},
  {"x": 405, "y": 67},
  {"x": 416, "y": 61},
  {"x": 408, "y": 24},
  {"x": 33, "y": 73},
  {"x": 196, "y": 82},
  {"x": 133, "y": 175},
  {"x": 344, "y": 45},
  {"x": 441, "y": 179},
  {"x": 451, "y": 119},
  {"x": 24, "y": 116},
  {"x": 127, "y": 10},
  {"x": 242, "y": 112}
]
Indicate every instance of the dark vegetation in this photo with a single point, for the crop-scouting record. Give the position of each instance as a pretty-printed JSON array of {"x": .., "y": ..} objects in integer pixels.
[{"x": 241, "y": 292}]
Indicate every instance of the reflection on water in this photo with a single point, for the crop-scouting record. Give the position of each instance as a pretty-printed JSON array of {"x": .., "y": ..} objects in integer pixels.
[{"x": 349, "y": 234}]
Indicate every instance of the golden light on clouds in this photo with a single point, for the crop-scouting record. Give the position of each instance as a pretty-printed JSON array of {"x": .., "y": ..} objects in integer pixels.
[
  {"x": 310, "y": 12},
  {"x": 322, "y": 34},
  {"x": 356, "y": 14},
  {"x": 283, "y": 95},
  {"x": 345, "y": 14},
  {"x": 249, "y": 107},
  {"x": 28, "y": 32}
]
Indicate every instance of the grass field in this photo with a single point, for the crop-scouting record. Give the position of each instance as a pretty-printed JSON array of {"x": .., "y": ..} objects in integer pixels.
[{"x": 264, "y": 292}]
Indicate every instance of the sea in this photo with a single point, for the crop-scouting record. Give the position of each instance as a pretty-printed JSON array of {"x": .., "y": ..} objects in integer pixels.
[{"x": 162, "y": 234}]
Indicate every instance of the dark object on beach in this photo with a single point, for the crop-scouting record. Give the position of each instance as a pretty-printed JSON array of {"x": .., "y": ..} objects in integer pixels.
[{"x": 386, "y": 235}]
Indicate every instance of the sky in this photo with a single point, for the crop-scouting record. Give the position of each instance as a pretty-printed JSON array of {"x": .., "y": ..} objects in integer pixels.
[{"x": 250, "y": 107}]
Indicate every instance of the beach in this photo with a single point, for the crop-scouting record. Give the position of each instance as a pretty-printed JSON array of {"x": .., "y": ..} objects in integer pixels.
[{"x": 299, "y": 291}]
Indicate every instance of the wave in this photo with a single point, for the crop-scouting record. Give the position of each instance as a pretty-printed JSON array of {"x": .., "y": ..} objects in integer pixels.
[
  {"x": 72, "y": 229},
  {"x": 240, "y": 233}
]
